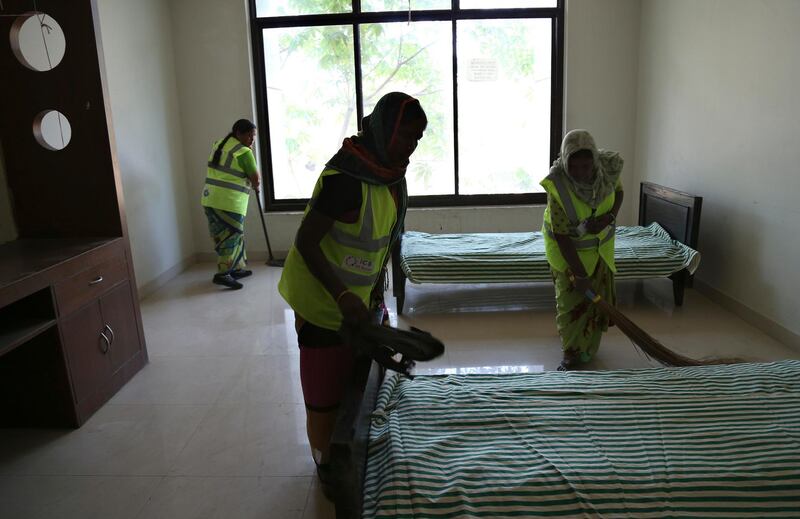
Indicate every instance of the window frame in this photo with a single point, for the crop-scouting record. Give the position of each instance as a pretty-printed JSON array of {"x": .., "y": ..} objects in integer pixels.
[{"x": 453, "y": 15}]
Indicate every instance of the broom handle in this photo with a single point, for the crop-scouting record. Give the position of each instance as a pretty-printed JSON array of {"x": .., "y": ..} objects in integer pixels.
[
  {"x": 590, "y": 295},
  {"x": 263, "y": 223}
]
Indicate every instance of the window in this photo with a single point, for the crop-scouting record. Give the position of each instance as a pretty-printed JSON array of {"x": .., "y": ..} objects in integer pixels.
[{"x": 487, "y": 72}]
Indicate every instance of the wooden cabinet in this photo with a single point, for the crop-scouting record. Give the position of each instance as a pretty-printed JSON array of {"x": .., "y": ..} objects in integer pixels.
[
  {"x": 117, "y": 310},
  {"x": 79, "y": 315},
  {"x": 99, "y": 340},
  {"x": 100, "y": 328},
  {"x": 87, "y": 356}
]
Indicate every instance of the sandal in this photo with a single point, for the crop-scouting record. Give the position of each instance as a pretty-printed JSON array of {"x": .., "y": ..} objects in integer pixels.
[
  {"x": 570, "y": 360},
  {"x": 226, "y": 280}
]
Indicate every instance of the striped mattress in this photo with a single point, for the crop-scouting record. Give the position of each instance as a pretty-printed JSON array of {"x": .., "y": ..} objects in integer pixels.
[
  {"x": 720, "y": 441},
  {"x": 641, "y": 253}
]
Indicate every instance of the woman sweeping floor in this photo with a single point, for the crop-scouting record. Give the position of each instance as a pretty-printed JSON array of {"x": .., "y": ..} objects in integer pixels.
[
  {"x": 231, "y": 172},
  {"x": 584, "y": 196}
]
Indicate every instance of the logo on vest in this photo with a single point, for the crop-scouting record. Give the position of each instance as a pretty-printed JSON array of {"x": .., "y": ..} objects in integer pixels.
[
  {"x": 353, "y": 262},
  {"x": 205, "y": 192}
]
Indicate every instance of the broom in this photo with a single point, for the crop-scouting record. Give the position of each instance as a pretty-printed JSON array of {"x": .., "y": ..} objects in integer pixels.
[
  {"x": 650, "y": 346},
  {"x": 271, "y": 261}
]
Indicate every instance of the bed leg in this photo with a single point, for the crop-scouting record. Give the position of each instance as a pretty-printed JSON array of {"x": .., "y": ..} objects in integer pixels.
[
  {"x": 678, "y": 286},
  {"x": 399, "y": 290},
  {"x": 639, "y": 290},
  {"x": 398, "y": 278}
]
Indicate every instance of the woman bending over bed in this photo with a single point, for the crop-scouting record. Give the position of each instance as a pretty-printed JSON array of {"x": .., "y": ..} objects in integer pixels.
[
  {"x": 333, "y": 272},
  {"x": 584, "y": 195}
]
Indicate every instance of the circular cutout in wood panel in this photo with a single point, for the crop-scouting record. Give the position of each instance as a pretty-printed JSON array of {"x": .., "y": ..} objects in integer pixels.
[
  {"x": 52, "y": 130},
  {"x": 37, "y": 41}
]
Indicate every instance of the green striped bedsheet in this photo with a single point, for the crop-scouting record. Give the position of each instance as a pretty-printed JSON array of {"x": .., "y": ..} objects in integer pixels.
[
  {"x": 641, "y": 253},
  {"x": 720, "y": 441}
]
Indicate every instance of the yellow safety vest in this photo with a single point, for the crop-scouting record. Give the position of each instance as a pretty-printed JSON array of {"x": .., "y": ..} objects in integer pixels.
[
  {"x": 590, "y": 247},
  {"x": 227, "y": 185},
  {"x": 355, "y": 251}
]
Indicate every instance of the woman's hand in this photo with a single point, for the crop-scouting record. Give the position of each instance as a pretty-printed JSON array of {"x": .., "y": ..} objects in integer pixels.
[
  {"x": 353, "y": 308},
  {"x": 255, "y": 181},
  {"x": 582, "y": 284},
  {"x": 595, "y": 225}
]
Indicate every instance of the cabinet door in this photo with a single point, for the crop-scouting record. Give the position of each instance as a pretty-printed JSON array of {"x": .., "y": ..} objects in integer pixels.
[
  {"x": 120, "y": 322},
  {"x": 87, "y": 351}
]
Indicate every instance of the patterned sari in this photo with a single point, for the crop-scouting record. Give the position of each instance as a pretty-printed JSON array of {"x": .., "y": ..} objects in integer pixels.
[
  {"x": 580, "y": 322},
  {"x": 227, "y": 231}
]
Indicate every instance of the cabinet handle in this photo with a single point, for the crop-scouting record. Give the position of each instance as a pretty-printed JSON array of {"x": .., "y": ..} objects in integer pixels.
[
  {"x": 98, "y": 279},
  {"x": 108, "y": 343},
  {"x": 110, "y": 331}
]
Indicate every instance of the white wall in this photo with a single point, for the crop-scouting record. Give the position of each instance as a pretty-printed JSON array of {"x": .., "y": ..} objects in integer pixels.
[
  {"x": 718, "y": 116},
  {"x": 600, "y": 86},
  {"x": 139, "y": 60},
  {"x": 213, "y": 64},
  {"x": 212, "y": 58}
]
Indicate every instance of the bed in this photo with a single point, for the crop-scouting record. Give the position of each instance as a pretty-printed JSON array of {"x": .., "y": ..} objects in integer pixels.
[
  {"x": 663, "y": 245},
  {"x": 714, "y": 441}
]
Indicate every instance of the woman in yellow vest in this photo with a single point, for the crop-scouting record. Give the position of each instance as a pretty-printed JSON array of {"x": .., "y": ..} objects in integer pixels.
[
  {"x": 355, "y": 213},
  {"x": 584, "y": 195},
  {"x": 231, "y": 171}
]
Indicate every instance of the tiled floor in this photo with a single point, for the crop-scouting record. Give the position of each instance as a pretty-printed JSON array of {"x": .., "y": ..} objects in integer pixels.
[{"x": 214, "y": 426}]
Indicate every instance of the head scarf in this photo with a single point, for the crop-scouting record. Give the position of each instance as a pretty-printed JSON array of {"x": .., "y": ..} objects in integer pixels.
[
  {"x": 365, "y": 156},
  {"x": 607, "y": 168}
]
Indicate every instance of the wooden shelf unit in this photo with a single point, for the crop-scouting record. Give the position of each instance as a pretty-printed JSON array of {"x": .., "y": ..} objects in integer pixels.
[{"x": 70, "y": 328}]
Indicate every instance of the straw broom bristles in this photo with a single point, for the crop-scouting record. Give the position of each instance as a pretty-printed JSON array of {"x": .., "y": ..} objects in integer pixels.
[{"x": 650, "y": 346}]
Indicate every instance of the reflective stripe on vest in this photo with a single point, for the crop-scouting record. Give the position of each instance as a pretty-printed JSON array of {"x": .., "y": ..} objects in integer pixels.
[
  {"x": 566, "y": 200},
  {"x": 590, "y": 243},
  {"x": 365, "y": 241},
  {"x": 353, "y": 279},
  {"x": 228, "y": 170},
  {"x": 227, "y": 185},
  {"x": 231, "y": 154},
  {"x": 227, "y": 166}
]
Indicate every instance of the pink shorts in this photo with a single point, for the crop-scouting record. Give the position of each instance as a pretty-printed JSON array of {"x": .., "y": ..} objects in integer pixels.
[{"x": 326, "y": 366}]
